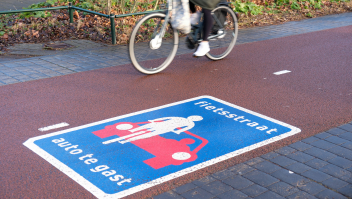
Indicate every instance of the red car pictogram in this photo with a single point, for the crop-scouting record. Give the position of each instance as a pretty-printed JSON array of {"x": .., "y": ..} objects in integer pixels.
[{"x": 166, "y": 151}]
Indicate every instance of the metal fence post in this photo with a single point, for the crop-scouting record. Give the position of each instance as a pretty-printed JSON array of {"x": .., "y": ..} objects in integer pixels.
[
  {"x": 113, "y": 32},
  {"x": 70, "y": 12}
]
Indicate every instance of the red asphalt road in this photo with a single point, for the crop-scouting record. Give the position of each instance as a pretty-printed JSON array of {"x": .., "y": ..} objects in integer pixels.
[{"x": 315, "y": 96}]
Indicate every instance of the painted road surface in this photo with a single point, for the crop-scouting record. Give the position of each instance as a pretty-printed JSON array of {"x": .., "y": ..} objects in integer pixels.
[
  {"x": 123, "y": 155},
  {"x": 314, "y": 96}
]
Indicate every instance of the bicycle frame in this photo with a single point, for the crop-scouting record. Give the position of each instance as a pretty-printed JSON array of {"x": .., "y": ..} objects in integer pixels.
[{"x": 167, "y": 18}]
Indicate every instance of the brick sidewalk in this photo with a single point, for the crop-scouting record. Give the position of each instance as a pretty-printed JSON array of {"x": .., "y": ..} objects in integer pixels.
[{"x": 316, "y": 167}]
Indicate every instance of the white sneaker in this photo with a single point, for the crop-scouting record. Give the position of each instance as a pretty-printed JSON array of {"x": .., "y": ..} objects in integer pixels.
[
  {"x": 202, "y": 49},
  {"x": 195, "y": 18}
]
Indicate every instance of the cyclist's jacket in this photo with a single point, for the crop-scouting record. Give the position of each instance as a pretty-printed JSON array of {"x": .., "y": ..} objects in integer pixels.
[{"x": 206, "y": 4}]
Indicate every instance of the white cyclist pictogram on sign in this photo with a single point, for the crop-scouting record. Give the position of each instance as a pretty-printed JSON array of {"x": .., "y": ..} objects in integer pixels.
[{"x": 156, "y": 127}]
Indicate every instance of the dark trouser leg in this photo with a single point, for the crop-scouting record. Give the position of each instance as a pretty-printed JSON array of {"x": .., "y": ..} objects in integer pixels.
[{"x": 207, "y": 23}]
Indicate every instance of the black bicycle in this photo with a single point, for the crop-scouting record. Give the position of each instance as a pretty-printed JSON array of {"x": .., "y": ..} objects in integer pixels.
[{"x": 153, "y": 42}]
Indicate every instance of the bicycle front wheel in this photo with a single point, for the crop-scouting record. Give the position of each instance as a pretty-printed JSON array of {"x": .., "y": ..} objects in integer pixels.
[
  {"x": 224, "y": 33},
  {"x": 149, "y": 53}
]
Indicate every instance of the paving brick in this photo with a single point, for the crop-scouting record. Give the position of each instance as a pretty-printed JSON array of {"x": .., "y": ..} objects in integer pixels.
[
  {"x": 316, "y": 163},
  {"x": 232, "y": 194},
  {"x": 223, "y": 174},
  {"x": 336, "y": 140},
  {"x": 237, "y": 182},
  {"x": 334, "y": 183},
  {"x": 10, "y": 81},
  {"x": 346, "y": 190},
  {"x": 269, "y": 195},
  {"x": 185, "y": 188},
  {"x": 336, "y": 131},
  {"x": 322, "y": 135},
  {"x": 298, "y": 167},
  {"x": 29, "y": 72},
  {"x": 316, "y": 175},
  {"x": 300, "y": 157},
  {"x": 290, "y": 178},
  {"x": 23, "y": 78},
  {"x": 203, "y": 181},
  {"x": 285, "y": 150},
  {"x": 323, "y": 144},
  {"x": 197, "y": 193},
  {"x": 282, "y": 161},
  {"x": 38, "y": 76},
  {"x": 282, "y": 189},
  {"x": 241, "y": 169},
  {"x": 168, "y": 195},
  {"x": 347, "y": 145},
  {"x": 342, "y": 152},
  {"x": 320, "y": 153},
  {"x": 341, "y": 162},
  {"x": 301, "y": 146},
  {"x": 260, "y": 178},
  {"x": 347, "y": 127},
  {"x": 350, "y": 169},
  {"x": 270, "y": 155},
  {"x": 254, "y": 190},
  {"x": 254, "y": 161},
  {"x": 329, "y": 194},
  {"x": 347, "y": 136},
  {"x": 312, "y": 188},
  {"x": 216, "y": 187},
  {"x": 336, "y": 172},
  {"x": 52, "y": 74},
  {"x": 301, "y": 195},
  {"x": 267, "y": 167}
]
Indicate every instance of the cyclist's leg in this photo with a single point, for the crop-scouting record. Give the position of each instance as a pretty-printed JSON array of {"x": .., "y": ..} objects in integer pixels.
[
  {"x": 203, "y": 47},
  {"x": 207, "y": 23}
]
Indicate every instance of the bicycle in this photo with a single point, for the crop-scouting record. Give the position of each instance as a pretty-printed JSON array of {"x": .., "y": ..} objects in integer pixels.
[{"x": 153, "y": 34}]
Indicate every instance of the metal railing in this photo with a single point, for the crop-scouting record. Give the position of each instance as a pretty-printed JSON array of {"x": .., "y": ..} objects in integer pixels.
[{"x": 72, "y": 8}]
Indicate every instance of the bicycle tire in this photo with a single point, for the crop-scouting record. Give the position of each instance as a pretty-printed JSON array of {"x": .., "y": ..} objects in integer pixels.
[
  {"x": 218, "y": 51},
  {"x": 140, "y": 46}
]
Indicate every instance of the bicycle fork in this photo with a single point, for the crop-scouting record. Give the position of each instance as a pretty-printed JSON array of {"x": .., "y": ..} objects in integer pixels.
[{"x": 155, "y": 43}]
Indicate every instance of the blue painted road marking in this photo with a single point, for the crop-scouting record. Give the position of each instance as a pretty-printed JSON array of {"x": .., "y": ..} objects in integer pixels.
[{"x": 126, "y": 154}]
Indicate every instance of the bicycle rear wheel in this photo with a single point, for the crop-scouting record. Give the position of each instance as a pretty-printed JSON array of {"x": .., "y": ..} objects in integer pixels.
[
  {"x": 147, "y": 54},
  {"x": 224, "y": 33}
]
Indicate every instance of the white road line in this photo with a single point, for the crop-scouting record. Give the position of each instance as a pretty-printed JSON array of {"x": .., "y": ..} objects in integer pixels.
[
  {"x": 55, "y": 126},
  {"x": 282, "y": 72}
]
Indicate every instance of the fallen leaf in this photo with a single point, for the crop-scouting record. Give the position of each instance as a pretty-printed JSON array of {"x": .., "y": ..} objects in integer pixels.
[
  {"x": 75, "y": 14},
  {"x": 5, "y": 36},
  {"x": 35, "y": 33},
  {"x": 27, "y": 33}
]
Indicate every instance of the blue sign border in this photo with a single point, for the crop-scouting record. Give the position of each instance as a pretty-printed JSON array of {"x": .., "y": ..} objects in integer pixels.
[{"x": 101, "y": 194}]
